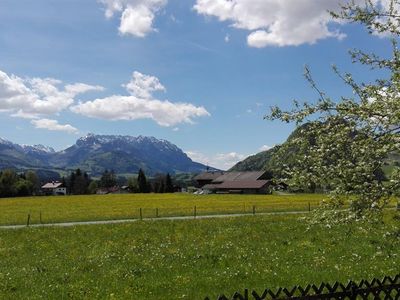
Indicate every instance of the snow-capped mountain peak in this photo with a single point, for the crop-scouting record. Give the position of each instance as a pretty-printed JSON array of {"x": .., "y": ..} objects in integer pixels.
[
  {"x": 44, "y": 148},
  {"x": 38, "y": 148},
  {"x": 5, "y": 142}
]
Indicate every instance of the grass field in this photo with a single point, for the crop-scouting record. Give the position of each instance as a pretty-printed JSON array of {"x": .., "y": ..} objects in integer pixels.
[
  {"x": 107, "y": 207},
  {"x": 190, "y": 259}
]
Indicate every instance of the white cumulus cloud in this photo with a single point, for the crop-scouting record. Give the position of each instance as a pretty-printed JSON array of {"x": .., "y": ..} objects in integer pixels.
[
  {"x": 141, "y": 105},
  {"x": 223, "y": 161},
  {"x": 228, "y": 160},
  {"x": 35, "y": 97},
  {"x": 265, "y": 148},
  {"x": 143, "y": 85},
  {"x": 38, "y": 98},
  {"x": 80, "y": 88},
  {"x": 53, "y": 125},
  {"x": 278, "y": 22},
  {"x": 137, "y": 16}
]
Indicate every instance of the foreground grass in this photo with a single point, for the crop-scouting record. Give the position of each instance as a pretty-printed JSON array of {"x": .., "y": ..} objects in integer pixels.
[
  {"x": 106, "y": 207},
  {"x": 189, "y": 259}
]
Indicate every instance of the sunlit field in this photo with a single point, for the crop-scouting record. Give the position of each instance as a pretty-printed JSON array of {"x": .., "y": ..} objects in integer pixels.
[
  {"x": 190, "y": 259},
  {"x": 125, "y": 206}
]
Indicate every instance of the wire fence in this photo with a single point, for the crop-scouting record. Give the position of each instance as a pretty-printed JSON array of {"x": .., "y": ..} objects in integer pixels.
[
  {"x": 388, "y": 288},
  {"x": 126, "y": 212},
  {"x": 41, "y": 217}
]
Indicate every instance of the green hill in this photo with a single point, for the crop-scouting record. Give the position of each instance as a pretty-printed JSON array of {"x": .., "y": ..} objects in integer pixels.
[{"x": 274, "y": 159}]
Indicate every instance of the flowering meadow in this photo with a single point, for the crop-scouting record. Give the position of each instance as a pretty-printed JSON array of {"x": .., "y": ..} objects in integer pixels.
[
  {"x": 191, "y": 259},
  {"x": 125, "y": 206}
]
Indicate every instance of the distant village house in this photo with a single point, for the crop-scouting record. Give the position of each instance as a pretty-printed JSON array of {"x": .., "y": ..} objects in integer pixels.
[
  {"x": 54, "y": 188},
  {"x": 113, "y": 190}
]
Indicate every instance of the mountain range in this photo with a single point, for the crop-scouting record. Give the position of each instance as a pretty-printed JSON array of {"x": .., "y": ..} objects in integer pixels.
[{"x": 96, "y": 153}]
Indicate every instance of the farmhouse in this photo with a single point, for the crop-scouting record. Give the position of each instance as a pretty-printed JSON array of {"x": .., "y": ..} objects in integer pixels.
[
  {"x": 54, "y": 188},
  {"x": 235, "y": 182},
  {"x": 113, "y": 190},
  {"x": 207, "y": 177}
]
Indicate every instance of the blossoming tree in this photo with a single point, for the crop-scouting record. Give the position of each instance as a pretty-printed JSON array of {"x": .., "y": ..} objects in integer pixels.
[{"x": 346, "y": 141}]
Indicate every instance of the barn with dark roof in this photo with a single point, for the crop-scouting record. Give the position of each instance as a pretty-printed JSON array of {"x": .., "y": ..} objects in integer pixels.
[{"x": 235, "y": 182}]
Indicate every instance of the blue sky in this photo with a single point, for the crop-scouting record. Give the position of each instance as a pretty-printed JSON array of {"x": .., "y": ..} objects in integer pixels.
[{"x": 199, "y": 73}]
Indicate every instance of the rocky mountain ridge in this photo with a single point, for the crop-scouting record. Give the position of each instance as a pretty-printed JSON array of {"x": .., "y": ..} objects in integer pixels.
[{"x": 96, "y": 153}]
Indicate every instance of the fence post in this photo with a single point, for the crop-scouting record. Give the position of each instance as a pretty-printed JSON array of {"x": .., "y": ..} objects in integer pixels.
[
  {"x": 156, "y": 212},
  {"x": 195, "y": 211},
  {"x": 246, "y": 294},
  {"x": 140, "y": 212},
  {"x": 29, "y": 219},
  {"x": 353, "y": 291},
  {"x": 254, "y": 210}
]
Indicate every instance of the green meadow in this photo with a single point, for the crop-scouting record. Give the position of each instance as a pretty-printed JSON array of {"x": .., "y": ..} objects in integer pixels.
[
  {"x": 191, "y": 259},
  {"x": 125, "y": 206}
]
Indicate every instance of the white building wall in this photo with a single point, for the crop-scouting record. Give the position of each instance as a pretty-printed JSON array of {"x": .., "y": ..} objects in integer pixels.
[{"x": 61, "y": 190}]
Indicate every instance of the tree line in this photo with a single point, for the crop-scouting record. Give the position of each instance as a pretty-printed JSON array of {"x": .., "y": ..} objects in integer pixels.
[
  {"x": 23, "y": 184},
  {"x": 160, "y": 183},
  {"x": 78, "y": 182}
]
